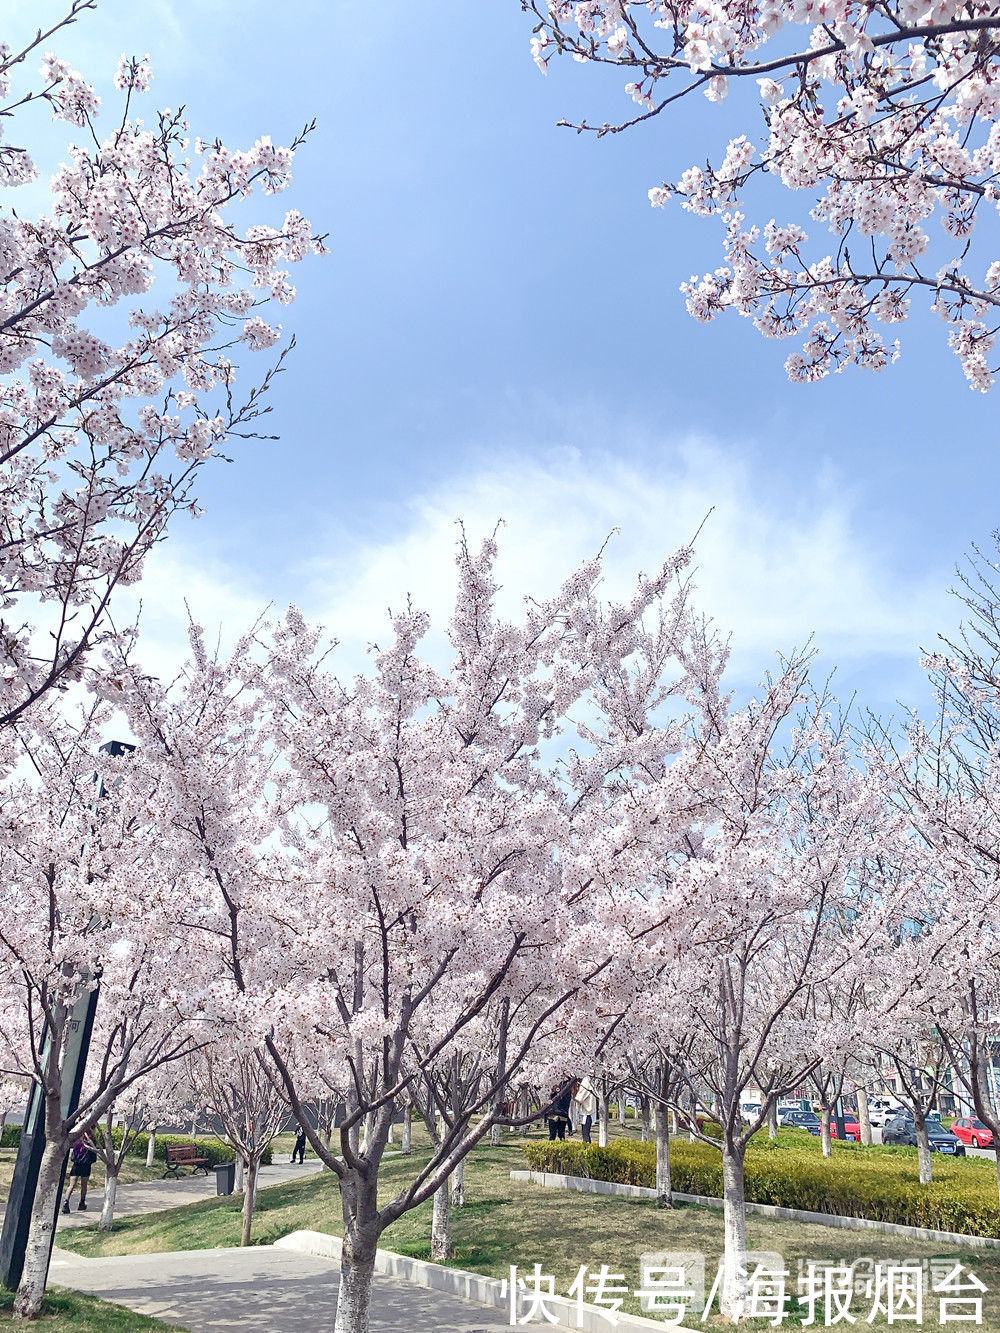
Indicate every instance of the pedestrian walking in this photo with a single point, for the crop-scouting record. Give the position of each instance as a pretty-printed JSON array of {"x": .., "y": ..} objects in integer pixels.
[
  {"x": 558, "y": 1116},
  {"x": 585, "y": 1105},
  {"x": 300, "y": 1145},
  {"x": 82, "y": 1157}
]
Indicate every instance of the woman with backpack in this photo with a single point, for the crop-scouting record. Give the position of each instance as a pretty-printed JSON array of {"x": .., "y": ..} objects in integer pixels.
[{"x": 82, "y": 1157}]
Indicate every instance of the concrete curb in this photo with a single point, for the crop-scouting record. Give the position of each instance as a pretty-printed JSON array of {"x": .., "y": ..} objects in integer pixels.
[
  {"x": 586, "y": 1186},
  {"x": 470, "y": 1286}
]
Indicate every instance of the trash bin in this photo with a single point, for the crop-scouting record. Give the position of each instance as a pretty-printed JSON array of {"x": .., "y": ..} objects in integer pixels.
[{"x": 225, "y": 1178}]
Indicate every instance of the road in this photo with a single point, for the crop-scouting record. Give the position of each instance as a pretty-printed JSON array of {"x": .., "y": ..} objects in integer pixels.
[{"x": 969, "y": 1152}]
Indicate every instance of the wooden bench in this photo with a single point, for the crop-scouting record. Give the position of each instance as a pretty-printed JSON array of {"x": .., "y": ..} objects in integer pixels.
[{"x": 184, "y": 1154}]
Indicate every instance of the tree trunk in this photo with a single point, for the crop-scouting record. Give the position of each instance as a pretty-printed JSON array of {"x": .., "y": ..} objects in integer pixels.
[
  {"x": 441, "y": 1225},
  {"x": 495, "y": 1135},
  {"x": 357, "y": 1264},
  {"x": 824, "y": 1129},
  {"x": 864, "y": 1119},
  {"x": 772, "y": 1121},
  {"x": 31, "y": 1289},
  {"x": 664, "y": 1188},
  {"x": 621, "y": 1110},
  {"x": 406, "y": 1138},
  {"x": 249, "y": 1199},
  {"x": 645, "y": 1119},
  {"x": 240, "y": 1174},
  {"x": 151, "y": 1147},
  {"x": 458, "y": 1186},
  {"x": 107, "y": 1218},
  {"x": 923, "y": 1149},
  {"x": 602, "y": 1119},
  {"x": 733, "y": 1303}
]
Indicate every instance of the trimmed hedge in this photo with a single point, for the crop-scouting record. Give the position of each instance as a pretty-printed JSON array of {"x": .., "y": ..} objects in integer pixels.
[
  {"x": 878, "y": 1183},
  {"x": 213, "y": 1148}
]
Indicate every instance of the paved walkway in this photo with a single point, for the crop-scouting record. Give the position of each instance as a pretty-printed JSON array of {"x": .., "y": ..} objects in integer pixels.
[
  {"x": 260, "y": 1290},
  {"x": 154, "y": 1196}
]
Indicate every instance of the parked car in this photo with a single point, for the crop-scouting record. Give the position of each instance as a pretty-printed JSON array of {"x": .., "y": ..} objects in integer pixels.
[
  {"x": 852, "y": 1130},
  {"x": 749, "y": 1111},
  {"x": 882, "y": 1109},
  {"x": 902, "y": 1130},
  {"x": 794, "y": 1118},
  {"x": 973, "y": 1132}
]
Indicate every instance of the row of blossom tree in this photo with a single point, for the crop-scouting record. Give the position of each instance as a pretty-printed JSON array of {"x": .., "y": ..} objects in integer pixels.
[
  {"x": 438, "y": 888},
  {"x": 430, "y": 889}
]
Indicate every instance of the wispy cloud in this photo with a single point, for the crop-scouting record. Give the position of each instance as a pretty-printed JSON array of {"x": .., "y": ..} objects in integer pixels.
[{"x": 772, "y": 569}]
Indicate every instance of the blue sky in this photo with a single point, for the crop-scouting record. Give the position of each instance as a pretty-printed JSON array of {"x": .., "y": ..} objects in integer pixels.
[{"x": 497, "y": 332}]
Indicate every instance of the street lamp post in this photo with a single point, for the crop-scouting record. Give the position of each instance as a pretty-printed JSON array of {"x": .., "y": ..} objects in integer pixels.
[{"x": 20, "y": 1200}]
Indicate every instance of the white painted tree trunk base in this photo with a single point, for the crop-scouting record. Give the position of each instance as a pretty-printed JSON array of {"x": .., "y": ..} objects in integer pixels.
[
  {"x": 664, "y": 1185},
  {"x": 354, "y": 1297},
  {"x": 107, "y": 1218},
  {"x": 735, "y": 1290},
  {"x": 441, "y": 1225},
  {"x": 458, "y": 1186},
  {"x": 31, "y": 1289}
]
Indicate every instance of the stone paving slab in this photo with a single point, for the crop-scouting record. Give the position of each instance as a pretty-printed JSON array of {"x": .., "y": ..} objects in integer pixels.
[{"x": 259, "y": 1290}]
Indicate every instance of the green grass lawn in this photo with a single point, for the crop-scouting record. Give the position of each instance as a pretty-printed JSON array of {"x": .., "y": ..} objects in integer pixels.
[
  {"x": 506, "y": 1222},
  {"x": 72, "y": 1312}
]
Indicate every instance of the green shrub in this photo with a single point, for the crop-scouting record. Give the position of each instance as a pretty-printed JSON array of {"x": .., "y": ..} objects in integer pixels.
[
  {"x": 213, "y": 1148},
  {"x": 878, "y": 1183}
]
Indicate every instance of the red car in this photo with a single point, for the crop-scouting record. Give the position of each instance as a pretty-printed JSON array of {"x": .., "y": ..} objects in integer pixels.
[
  {"x": 973, "y": 1131},
  {"x": 852, "y": 1130}
]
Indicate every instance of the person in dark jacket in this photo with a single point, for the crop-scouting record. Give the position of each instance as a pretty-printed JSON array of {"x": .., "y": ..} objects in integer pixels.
[
  {"x": 558, "y": 1116},
  {"x": 82, "y": 1157},
  {"x": 299, "y": 1150}
]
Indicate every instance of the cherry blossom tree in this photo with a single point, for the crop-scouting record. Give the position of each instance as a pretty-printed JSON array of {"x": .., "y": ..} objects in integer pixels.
[
  {"x": 414, "y": 884},
  {"x": 785, "y": 823},
  {"x": 237, "y": 1088},
  {"x": 85, "y": 898},
  {"x": 945, "y": 776},
  {"x": 841, "y": 1005},
  {"x": 884, "y": 115},
  {"x": 112, "y": 397},
  {"x": 147, "y": 1099}
]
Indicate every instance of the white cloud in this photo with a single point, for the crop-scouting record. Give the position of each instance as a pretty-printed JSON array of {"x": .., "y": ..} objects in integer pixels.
[
  {"x": 772, "y": 569},
  {"x": 220, "y": 598}
]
